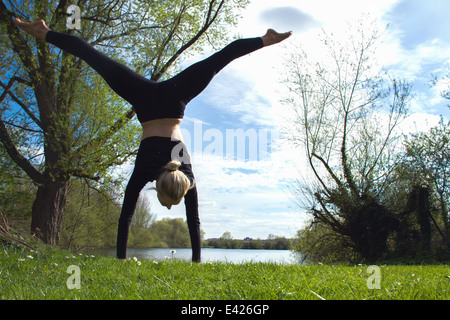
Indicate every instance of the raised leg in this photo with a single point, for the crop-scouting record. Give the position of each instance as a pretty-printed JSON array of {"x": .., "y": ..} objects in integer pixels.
[
  {"x": 193, "y": 80},
  {"x": 125, "y": 82}
]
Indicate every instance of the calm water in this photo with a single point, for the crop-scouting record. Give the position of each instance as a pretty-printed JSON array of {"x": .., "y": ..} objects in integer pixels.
[{"x": 208, "y": 254}]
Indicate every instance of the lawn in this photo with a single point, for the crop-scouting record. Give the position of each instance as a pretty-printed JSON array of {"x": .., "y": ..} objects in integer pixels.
[{"x": 55, "y": 274}]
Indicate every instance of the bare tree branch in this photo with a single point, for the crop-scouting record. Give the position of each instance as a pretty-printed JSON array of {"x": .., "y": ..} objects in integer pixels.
[
  {"x": 327, "y": 167},
  {"x": 16, "y": 156},
  {"x": 19, "y": 43},
  {"x": 210, "y": 18},
  {"x": 16, "y": 100}
]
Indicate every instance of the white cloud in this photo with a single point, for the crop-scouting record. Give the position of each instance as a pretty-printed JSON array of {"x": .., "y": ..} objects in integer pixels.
[
  {"x": 263, "y": 14},
  {"x": 432, "y": 56},
  {"x": 287, "y": 18},
  {"x": 418, "y": 66},
  {"x": 234, "y": 93},
  {"x": 419, "y": 122}
]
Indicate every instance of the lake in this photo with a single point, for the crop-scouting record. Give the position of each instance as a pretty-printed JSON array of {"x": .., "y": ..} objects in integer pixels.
[{"x": 208, "y": 254}]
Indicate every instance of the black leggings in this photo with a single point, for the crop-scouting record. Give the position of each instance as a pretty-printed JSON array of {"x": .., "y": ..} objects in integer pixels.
[
  {"x": 155, "y": 100},
  {"x": 150, "y": 99}
]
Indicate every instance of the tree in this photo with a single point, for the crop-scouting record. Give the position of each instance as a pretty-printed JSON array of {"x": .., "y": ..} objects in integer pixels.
[
  {"x": 274, "y": 242},
  {"x": 445, "y": 80},
  {"x": 427, "y": 161},
  {"x": 319, "y": 243},
  {"x": 140, "y": 228},
  {"x": 72, "y": 130},
  {"x": 420, "y": 192},
  {"x": 16, "y": 189},
  {"x": 346, "y": 111},
  {"x": 171, "y": 233},
  {"x": 252, "y": 244},
  {"x": 420, "y": 184},
  {"x": 90, "y": 216},
  {"x": 227, "y": 241}
]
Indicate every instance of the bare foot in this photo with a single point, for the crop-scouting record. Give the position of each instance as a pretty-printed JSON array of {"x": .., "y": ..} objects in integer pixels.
[
  {"x": 37, "y": 28},
  {"x": 272, "y": 37}
]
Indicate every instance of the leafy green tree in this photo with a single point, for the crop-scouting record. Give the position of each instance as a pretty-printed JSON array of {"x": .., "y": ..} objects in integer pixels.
[
  {"x": 424, "y": 165},
  {"x": 74, "y": 126},
  {"x": 171, "y": 233},
  {"x": 16, "y": 189},
  {"x": 227, "y": 241},
  {"x": 420, "y": 193},
  {"x": 140, "y": 228},
  {"x": 276, "y": 243},
  {"x": 318, "y": 242},
  {"x": 427, "y": 162},
  {"x": 252, "y": 244},
  {"x": 90, "y": 217}
]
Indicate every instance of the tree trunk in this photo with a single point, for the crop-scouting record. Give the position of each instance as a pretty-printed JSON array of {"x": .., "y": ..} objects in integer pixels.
[
  {"x": 423, "y": 216},
  {"x": 48, "y": 210}
]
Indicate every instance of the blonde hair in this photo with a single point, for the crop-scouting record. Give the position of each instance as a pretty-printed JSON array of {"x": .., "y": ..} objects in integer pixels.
[{"x": 173, "y": 182}]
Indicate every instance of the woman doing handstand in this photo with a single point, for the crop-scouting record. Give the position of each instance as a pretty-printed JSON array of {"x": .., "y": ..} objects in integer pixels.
[{"x": 160, "y": 109}]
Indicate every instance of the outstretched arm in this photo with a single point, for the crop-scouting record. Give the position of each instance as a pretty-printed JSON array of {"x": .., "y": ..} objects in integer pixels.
[{"x": 193, "y": 221}]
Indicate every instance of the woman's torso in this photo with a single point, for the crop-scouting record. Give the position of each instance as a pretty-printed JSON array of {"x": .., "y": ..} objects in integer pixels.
[{"x": 166, "y": 127}]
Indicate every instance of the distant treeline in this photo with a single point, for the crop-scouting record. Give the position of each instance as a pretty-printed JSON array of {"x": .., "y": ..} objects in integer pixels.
[{"x": 226, "y": 241}]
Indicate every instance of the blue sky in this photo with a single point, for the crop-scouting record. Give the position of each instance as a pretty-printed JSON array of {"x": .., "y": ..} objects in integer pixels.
[{"x": 246, "y": 193}]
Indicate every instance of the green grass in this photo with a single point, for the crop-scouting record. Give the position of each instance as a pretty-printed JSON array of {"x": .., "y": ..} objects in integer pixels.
[{"x": 43, "y": 275}]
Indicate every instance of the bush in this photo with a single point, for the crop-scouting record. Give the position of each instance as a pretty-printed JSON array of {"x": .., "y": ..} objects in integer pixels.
[{"x": 319, "y": 243}]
